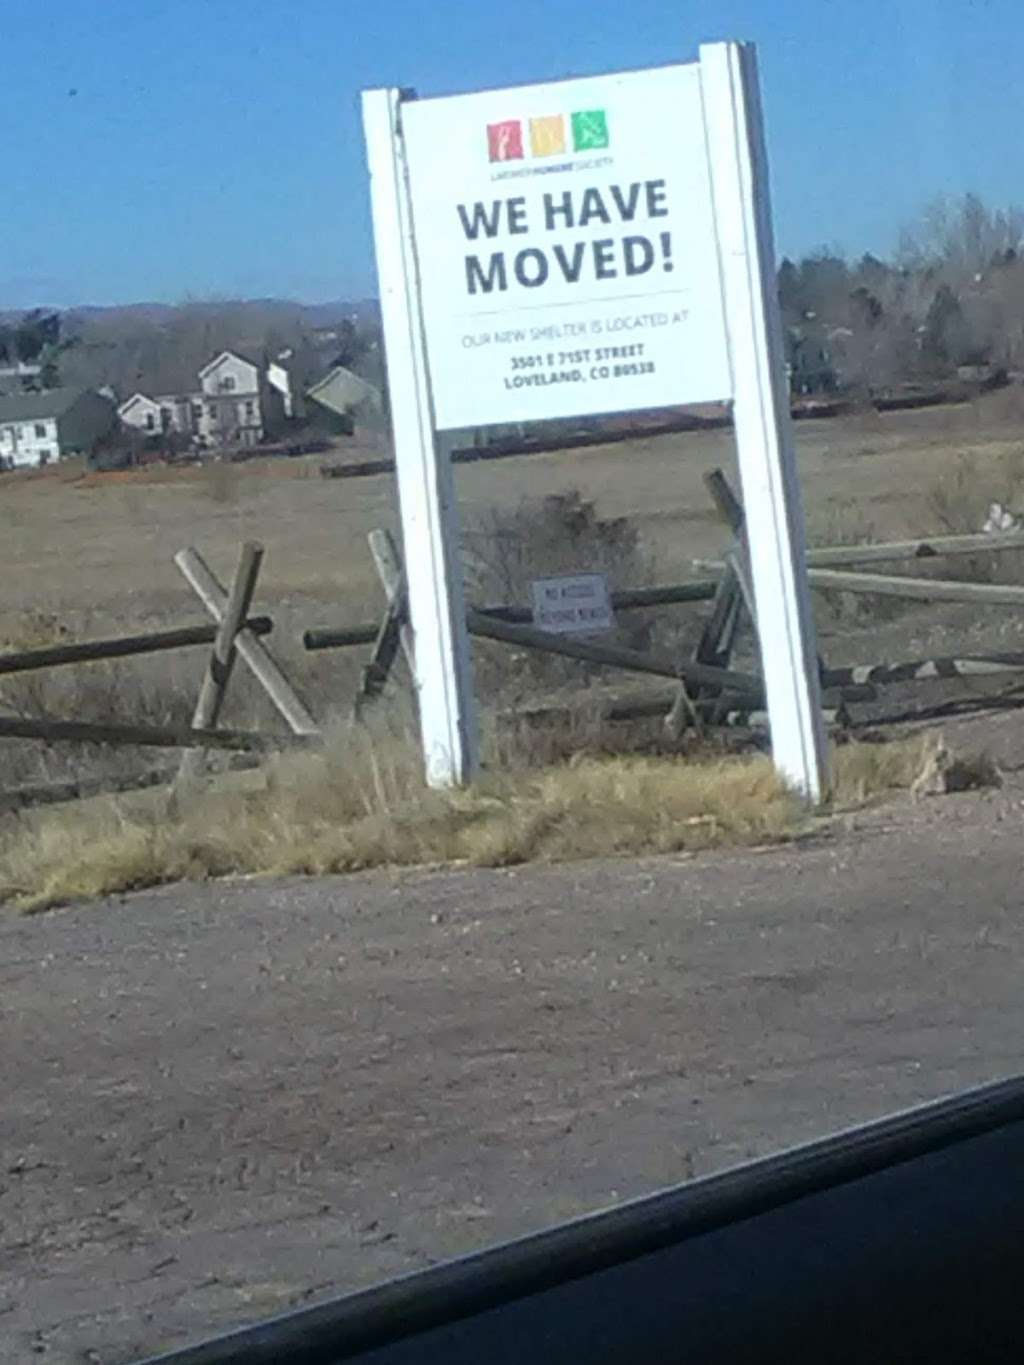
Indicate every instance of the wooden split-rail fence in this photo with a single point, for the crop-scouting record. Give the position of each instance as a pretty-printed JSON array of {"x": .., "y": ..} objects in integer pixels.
[{"x": 708, "y": 689}]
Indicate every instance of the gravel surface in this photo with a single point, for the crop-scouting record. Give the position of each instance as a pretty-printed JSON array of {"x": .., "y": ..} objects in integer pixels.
[{"x": 225, "y": 1100}]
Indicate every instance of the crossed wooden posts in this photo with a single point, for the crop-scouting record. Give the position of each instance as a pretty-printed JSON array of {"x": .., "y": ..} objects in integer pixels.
[{"x": 229, "y": 609}]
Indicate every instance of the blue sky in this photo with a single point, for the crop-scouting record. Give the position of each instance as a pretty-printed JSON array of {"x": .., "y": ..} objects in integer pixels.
[{"x": 164, "y": 149}]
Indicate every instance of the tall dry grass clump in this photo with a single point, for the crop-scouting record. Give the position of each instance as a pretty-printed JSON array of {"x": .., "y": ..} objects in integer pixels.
[{"x": 360, "y": 803}]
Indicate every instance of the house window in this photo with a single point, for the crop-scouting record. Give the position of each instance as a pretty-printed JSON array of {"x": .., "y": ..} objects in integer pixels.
[
  {"x": 44, "y": 457},
  {"x": 150, "y": 422},
  {"x": 226, "y": 385},
  {"x": 197, "y": 413},
  {"x": 250, "y": 410},
  {"x": 41, "y": 430},
  {"x": 212, "y": 413}
]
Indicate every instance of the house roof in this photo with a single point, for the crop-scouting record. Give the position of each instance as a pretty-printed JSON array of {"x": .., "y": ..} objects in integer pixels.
[
  {"x": 341, "y": 390},
  {"x": 221, "y": 355},
  {"x": 29, "y": 407},
  {"x": 137, "y": 398}
]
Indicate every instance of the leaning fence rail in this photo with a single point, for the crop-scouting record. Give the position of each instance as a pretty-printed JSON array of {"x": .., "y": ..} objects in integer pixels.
[
  {"x": 146, "y": 736},
  {"x": 630, "y": 599},
  {"x": 122, "y": 647},
  {"x": 894, "y": 551},
  {"x": 912, "y": 589}
]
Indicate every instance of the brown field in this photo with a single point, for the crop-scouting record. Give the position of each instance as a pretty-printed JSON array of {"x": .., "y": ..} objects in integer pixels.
[{"x": 93, "y": 556}]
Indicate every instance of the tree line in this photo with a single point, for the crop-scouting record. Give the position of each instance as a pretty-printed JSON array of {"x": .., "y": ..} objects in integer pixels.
[{"x": 952, "y": 296}]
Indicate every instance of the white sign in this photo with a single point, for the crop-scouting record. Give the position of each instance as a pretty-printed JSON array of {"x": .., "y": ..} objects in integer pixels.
[
  {"x": 574, "y": 604},
  {"x": 566, "y": 246},
  {"x": 590, "y": 246}
]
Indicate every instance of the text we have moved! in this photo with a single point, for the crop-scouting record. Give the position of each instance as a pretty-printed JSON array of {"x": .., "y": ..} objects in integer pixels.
[{"x": 607, "y": 257}]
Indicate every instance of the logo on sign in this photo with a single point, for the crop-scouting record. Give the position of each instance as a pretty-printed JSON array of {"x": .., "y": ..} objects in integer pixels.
[
  {"x": 548, "y": 136},
  {"x": 505, "y": 141}
]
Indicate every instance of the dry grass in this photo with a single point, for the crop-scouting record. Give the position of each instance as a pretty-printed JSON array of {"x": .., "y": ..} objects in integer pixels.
[
  {"x": 863, "y": 772},
  {"x": 360, "y": 804}
]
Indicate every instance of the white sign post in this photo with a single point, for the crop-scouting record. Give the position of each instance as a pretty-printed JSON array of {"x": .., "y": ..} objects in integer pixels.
[
  {"x": 771, "y": 489},
  {"x": 426, "y": 492},
  {"x": 587, "y": 246}
]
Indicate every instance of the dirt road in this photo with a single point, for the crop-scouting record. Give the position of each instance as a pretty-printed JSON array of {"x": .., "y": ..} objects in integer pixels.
[{"x": 225, "y": 1100}]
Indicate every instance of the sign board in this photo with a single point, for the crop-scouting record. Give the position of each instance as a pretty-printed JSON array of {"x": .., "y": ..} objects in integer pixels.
[
  {"x": 567, "y": 251},
  {"x": 573, "y": 604},
  {"x": 582, "y": 247}
]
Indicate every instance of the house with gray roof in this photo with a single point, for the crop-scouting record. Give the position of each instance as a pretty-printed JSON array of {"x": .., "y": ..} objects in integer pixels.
[
  {"x": 39, "y": 428},
  {"x": 344, "y": 394}
]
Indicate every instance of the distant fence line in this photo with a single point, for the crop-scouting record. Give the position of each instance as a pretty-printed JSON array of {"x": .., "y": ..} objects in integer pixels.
[{"x": 671, "y": 423}]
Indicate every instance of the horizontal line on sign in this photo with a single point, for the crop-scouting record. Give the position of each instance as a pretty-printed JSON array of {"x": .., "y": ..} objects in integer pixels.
[{"x": 537, "y": 307}]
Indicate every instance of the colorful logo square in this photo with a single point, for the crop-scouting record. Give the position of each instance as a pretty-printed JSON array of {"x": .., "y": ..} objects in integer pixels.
[
  {"x": 547, "y": 135},
  {"x": 505, "y": 140},
  {"x": 589, "y": 130}
]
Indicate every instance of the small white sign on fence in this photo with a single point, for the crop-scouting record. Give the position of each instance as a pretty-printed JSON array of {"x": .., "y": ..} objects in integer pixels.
[{"x": 573, "y": 604}]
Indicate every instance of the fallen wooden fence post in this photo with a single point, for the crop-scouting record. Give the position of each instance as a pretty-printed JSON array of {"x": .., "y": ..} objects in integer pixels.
[
  {"x": 343, "y": 637},
  {"x": 718, "y": 638},
  {"x": 629, "y": 599},
  {"x": 711, "y": 712},
  {"x": 94, "y": 651},
  {"x": 257, "y": 658},
  {"x": 222, "y": 658},
  {"x": 56, "y": 793},
  {"x": 375, "y": 673},
  {"x": 394, "y": 629},
  {"x": 925, "y": 670},
  {"x": 729, "y": 507},
  {"x": 144, "y": 736},
  {"x": 933, "y": 547},
  {"x": 917, "y": 589},
  {"x": 896, "y": 551},
  {"x": 389, "y": 566},
  {"x": 738, "y": 563},
  {"x": 630, "y": 659}
]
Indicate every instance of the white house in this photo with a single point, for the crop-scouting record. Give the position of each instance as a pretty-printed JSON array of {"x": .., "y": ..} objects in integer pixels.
[
  {"x": 233, "y": 402},
  {"x": 180, "y": 413},
  {"x": 38, "y": 428},
  {"x": 140, "y": 412},
  {"x": 234, "y": 406}
]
